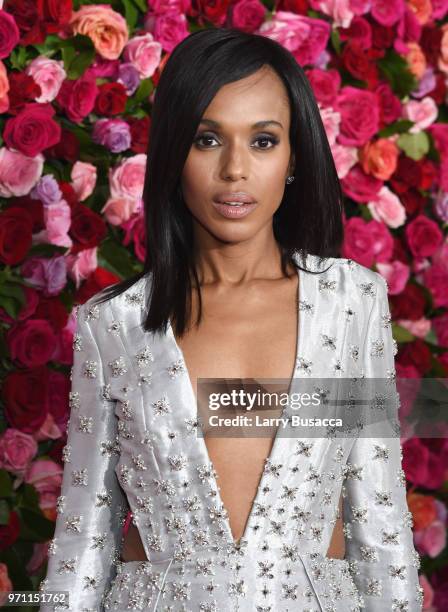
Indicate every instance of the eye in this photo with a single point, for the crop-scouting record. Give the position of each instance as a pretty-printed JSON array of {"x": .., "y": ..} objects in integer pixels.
[{"x": 200, "y": 138}]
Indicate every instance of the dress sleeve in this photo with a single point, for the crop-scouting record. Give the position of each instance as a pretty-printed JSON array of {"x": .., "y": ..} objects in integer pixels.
[
  {"x": 91, "y": 505},
  {"x": 377, "y": 522}
]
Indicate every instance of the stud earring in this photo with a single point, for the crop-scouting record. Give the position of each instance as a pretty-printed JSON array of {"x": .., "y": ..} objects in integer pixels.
[{"x": 290, "y": 179}]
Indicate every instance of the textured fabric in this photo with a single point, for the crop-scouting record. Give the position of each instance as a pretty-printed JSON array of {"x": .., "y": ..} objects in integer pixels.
[{"x": 133, "y": 443}]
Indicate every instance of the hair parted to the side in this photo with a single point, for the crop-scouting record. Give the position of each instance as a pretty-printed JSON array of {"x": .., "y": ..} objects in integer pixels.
[{"x": 309, "y": 219}]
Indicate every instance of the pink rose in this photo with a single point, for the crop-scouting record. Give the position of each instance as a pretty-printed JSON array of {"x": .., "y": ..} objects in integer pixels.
[
  {"x": 387, "y": 12},
  {"x": 325, "y": 84},
  {"x": 422, "y": 112},
  {"x": 419, "y": 328},
  {"x": 17, "y": 449},
  {"x": 423, "y": 236},
  {"x": 331, "y": 120},
  {"x": 49, "y": 275},
  {"x": 359, "y": 115},
  {"x": 126, "y": 188},
  {"x": 169, "y": 28},
  {"x": 105, "y": 27},
  {"x": 431, "y": 540},
  {"x": 83, "y": 177},
  {"x": 4, "y": 88},
  {"x": 387, "y": 207},
  {"x": 144, "y": 53},
  {"x": 77, "y": 97},
  {"x": 360, "y": 186},
  {"x": 9, "y": 34},
  {"x": 367, "y": 242},
  {"x": 119, "y": 210},
  {"x": 341, "y": 12},
  {"x": 48, "y": 430},
  {"x": 5, "y": 583},
  {"x": 248, "y": 15},
  {"x": 33, "y": 130},
  {"x": 81, "y": 265},
  {"x": 428, "y": 592},
  {"x": 49, "y": 74},
  {"x": 39, "y": 556},
  {"x": 57, "y": 219},
  {"x": 306, "y": 38},
  {"x": 18, "y": 173},
  {"x": 344, "y": 158},
  {"x": 46, "y": 476},
  {"x": 162, "y": 6},
  {"x": 436, "y": 280},
  {"x": 396, "y": 274}
]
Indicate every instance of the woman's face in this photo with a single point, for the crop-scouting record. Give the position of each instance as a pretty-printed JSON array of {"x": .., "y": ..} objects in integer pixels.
[{"x": 231, "y": 154}]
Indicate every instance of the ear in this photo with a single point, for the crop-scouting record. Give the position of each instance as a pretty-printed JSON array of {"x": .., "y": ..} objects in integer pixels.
[{"x": 292, "y": 163}]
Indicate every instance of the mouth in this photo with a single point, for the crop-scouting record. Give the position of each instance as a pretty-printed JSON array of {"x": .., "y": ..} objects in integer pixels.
[{"x": 234, "y": 210}]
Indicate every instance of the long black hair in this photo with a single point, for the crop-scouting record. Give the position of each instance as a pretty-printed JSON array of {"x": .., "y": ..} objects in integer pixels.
[{"x": 309, "y": 219}]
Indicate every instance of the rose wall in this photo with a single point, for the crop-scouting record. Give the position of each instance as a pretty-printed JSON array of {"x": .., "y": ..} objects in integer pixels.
[{"x": 75, "y": 109}]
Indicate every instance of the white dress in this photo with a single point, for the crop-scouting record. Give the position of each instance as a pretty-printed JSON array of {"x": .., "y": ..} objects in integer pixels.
[{"x": 133, "y": 443}]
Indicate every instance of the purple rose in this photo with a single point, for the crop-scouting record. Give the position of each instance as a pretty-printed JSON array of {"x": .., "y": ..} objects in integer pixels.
[
  {"x": 114, "y": 134},
  {"x": 47, "y": 190}
]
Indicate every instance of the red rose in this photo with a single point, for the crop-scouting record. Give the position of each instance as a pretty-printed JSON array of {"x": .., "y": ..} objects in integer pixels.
[
  {"x": 139, "y": 133},
  {"x": 300, "y": 7},
  {"x": 25, "y": 395},
  {"x": 32, "y": 130},
  {"x": 32, "y": 343},
  {"x": 430, "y": 41},
  {"x": 215, "y": 12},
  {"x": 416, "y": 354},
  {"x": 53, "y": 310},
  {"x": 88, "y": 228},
  {"x": 357, "y": 62},
  {"x": 390, "y": 105},
  {"x": 423, "y": 236},
  {"x": 409, "y": 304},
  {"x": 428, "y": 174},
  {"x": 382, "y": 36},
  {"x": 111, "y": 99},
  {"x": 77, "y": 98},
  {"x": 9, "y": 34},
  {"x": 67, "y": 148},
  {"x": 68, "y": 193},
  {"x": 16, "y": 226},
  {"x": 98, "y": 280},
  {"x": 406, "y": 175},
  {"x": 22, "y": 89},
  {"x": 9, "y": 532},
  {"x": 55, "y": 13},
  {"x": 26, "y": 14},
  {"x": 34, "y": 208},
  {"x": 439, "y": 92},
  {"x": 413, "y": 202}
]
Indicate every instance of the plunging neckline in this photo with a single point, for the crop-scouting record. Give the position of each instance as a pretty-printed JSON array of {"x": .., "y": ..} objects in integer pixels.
[{"x": 274, "y": 448}]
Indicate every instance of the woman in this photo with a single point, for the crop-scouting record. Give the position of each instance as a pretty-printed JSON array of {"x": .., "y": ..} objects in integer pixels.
[{"x": 242, "y": 208}]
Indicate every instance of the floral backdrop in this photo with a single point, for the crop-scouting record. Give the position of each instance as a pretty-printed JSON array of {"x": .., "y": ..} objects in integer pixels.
[{"x": 76, "y": 86}]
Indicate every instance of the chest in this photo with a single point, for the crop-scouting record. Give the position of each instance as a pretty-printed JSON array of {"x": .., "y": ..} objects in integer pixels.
[{"x": 244, "y": 337}]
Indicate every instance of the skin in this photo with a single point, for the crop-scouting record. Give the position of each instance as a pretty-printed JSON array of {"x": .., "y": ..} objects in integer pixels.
[{"x": 238, "y": 263}]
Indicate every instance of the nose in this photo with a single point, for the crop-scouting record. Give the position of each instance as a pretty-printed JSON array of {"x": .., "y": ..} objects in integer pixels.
[{"x": 234, "y": 163}]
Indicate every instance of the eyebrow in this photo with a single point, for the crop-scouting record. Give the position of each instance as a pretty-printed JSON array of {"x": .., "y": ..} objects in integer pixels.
[{"x": 258, "y": 124}]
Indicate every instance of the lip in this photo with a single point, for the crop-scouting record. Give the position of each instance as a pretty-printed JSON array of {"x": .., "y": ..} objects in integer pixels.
[
  {"x": 234, "y": 196},
  {"x": 234, "y": 212}
]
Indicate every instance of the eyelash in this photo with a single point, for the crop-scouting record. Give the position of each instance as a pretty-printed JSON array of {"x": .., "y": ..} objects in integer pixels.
[{"x": 272, "y": 139}]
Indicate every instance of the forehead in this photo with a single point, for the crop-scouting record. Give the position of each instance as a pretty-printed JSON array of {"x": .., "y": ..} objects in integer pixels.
[{"x": 260, "y": 96}]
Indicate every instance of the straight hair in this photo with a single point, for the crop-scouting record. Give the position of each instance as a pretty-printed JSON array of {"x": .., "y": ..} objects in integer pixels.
[{"x": 309, "y": 218}]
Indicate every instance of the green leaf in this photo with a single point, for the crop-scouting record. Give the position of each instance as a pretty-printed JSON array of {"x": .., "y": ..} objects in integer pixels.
[
  {"x": 80, "y": 63},
  {"x": 18, "y": 58},
  {"x": 68, "y": 55},
  {"x": 5, "y": 484},
  {"x": 336, "y": 40},
  {"x": 116, "y": 258},
  {"x": 4, "y": 512},
  {"x": 142, "y": 5},
  {"x": 131, "y": 14},
  {"x": 414, "y": 145},
  {"x": 395, "y": 69},
  {"x": 34, "y": 526},
  {"x": 10, "y": 306},
  {"x": 401, "y": 334},
  {"x": 398, "y": 127}
]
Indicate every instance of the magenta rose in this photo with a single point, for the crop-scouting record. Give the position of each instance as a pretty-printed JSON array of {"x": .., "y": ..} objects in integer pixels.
[
  {"x": 423, "y": 236},
  {"x": 77, "y": 97},
  {"x": 32, "y": 343},
  {"x": 360, "y": 116},
  {"x": 358, "y": 242},
  {"x": 440, "y": 326},
  {"x": 9, "y": 34},
  {"x": 248, "y": 15},
  {"x": 17, "y": 449},
  {"x": 416, "y": 461},
  {"x": 33, "y": 130},
  {"x": 436, "y": 280},
  {"x": 325, "y": 84},
  {"x": 360, "y": 186}
]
